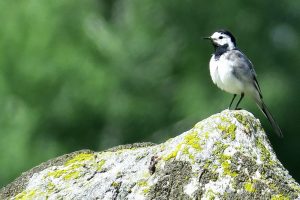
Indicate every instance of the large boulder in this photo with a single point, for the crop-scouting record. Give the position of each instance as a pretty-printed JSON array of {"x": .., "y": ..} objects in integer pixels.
[{"x": 226, "y": 156}]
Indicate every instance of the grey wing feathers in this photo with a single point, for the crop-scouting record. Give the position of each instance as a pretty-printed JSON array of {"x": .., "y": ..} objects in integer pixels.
[
  {"x": 244, "y": 68},
  {"x": 256, "y": 85}
]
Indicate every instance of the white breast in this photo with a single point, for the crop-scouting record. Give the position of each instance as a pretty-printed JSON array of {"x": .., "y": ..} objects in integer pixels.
[
  {"x": 221, "y": 72},
  {"x": 213, "y": 68}
]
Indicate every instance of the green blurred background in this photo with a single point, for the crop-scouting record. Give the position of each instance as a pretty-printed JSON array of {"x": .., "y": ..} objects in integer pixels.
[{"x": 95, "y": 74}]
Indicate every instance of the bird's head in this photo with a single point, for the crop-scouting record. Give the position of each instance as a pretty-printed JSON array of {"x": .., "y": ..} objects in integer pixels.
[{"x": 222, "y": 38}]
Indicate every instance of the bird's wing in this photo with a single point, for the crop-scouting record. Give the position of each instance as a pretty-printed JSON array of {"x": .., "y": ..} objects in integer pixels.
[{"x": 243, "y": 68}]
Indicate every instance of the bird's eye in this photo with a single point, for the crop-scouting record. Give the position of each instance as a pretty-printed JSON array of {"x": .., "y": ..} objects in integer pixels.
[{"x": 221, "y": 37}]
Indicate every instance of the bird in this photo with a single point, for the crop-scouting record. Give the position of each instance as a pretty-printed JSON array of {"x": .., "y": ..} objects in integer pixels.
[{"x": 233, "y": 72}]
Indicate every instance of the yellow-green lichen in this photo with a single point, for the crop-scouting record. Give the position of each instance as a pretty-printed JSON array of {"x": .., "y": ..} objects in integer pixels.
[
  {"x": 173, "y": 154},
  {"x": 25, "y": 195},
  {"x": 146, "y": 174},
  {"x": 50, "y": 187},
  {"x": 80, "y": 158},
  {"x": 57, "y": 173},
  {"x": 214, "y": 167},
  {"x": 71, "y": 172},
  {"x": 100, "y": 165},
  {"x": 71, "y": 175},
  {"x": 224, "y": 160},
  {"x": 207, "y": 164},
  {"x": 190, "y": 140},
  {"x": 146, "y": 191},
  {"x": 295, "y": 187},
  {"x": 243, "y": 120},
  {"x": 240, "y": 118},
  {"x": 224, "y": 119},
  {"x": 115, "y": 184},
  {"x": 193, "y": 140},
  {"x": 249, "y": 187},
  {"x": 206, "y": 135},
  {"x": 224, "y": 157},
  {"x": 265, "y": 153},
  {"x": 186, "y": 152},
  {"x": 142, "y": 183},
  {"x": 211, "y": 195},
  {"x": 219, "y": 148},
  {"x": 227, "y": 169},
  {"x": 279, "y": 197},
  {"x": 229, "y": 130}
]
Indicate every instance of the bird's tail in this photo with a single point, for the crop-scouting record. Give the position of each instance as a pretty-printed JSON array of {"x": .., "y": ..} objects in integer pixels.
[{"x": 262, "y": 106}]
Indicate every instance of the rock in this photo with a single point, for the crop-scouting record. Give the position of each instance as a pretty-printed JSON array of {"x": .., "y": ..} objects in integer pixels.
[{"x": 226, "y": 156}]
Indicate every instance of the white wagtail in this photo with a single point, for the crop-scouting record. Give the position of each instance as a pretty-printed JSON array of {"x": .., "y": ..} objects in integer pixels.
[{"x": 233, "y": 72}]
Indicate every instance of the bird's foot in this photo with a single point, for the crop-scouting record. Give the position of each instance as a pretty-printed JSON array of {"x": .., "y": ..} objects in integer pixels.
[{"x": 238, "y": 109}]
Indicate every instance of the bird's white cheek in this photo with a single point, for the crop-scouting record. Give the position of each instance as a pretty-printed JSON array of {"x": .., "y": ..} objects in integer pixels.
[{"x": 222, "y": 42}]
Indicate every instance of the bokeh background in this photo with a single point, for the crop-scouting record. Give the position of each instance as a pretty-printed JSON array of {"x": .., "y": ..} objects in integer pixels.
[{"x": 98, "y": 73}]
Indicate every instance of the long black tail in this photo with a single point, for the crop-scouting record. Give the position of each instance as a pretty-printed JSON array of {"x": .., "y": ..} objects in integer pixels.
[{"x": 267, "y": 113}]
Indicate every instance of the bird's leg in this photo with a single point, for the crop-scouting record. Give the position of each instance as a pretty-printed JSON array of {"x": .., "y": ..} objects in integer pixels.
[
  {"x": 236, "y": 107},
  {"x": 231, "y": 101}
]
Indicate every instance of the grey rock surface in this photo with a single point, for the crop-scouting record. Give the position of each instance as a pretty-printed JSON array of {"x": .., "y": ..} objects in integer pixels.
[{"x": 226, "y": 156}]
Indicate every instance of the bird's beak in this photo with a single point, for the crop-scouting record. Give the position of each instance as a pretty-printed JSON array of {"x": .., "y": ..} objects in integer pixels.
[{"x": 207, "y": 38}]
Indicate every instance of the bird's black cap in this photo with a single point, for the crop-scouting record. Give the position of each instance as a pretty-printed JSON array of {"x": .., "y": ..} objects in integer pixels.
[{"x": 226, "y": 32}]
